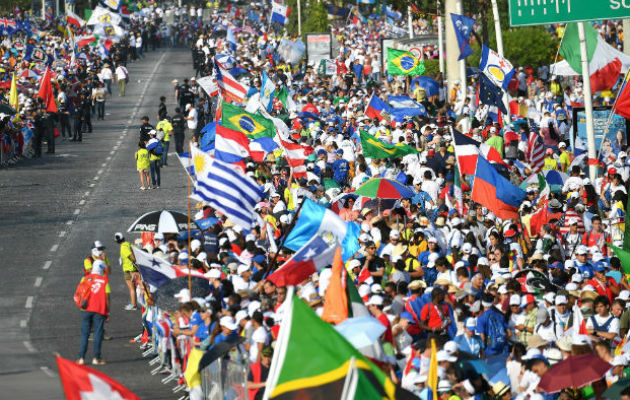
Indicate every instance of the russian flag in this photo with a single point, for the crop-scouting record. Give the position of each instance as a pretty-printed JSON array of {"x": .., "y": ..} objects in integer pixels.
[
  {"x": 230, "y": 146},
  {"x": 312, "y": 257},
  {"x": 259, "y": 148},
  {"x": 494, "y": 192},
  {"x": 377, "y": 108},
  {"x": 317, "y": 220}
]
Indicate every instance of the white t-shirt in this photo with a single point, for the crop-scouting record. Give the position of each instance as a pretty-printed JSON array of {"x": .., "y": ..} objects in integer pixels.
[
  {"x": 192, "y": 123},
  {"x": 612, "y": 327},
  {"x": 106, "y": 73},
  {"x": 260, "y": 335},
  {"x": 121, "y": 72}
]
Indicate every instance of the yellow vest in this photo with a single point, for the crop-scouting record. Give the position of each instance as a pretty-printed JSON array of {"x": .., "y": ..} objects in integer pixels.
[{"x": 550, "y": 163}]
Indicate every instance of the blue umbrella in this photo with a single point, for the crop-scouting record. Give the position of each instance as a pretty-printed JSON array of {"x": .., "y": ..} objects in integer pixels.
[
  {"x": 431, "y": 86},
  {"x": 361, "y": 331}
]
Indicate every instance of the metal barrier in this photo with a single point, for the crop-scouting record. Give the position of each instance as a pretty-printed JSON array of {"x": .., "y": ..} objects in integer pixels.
[{"x": 225, "y": 379}]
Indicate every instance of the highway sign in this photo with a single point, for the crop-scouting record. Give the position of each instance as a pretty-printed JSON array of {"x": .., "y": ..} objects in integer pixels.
[{"x": 540, "y": 12}]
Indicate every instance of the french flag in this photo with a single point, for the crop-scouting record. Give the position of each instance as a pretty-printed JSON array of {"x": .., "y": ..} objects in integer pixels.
[
  {"x": 377, "y": 108},
  {"x": 315, "y": 255},
  {"x": 230, "y": 146},
  {"x": 468, "y": 150},
  {"x": 259, "y": 148}
]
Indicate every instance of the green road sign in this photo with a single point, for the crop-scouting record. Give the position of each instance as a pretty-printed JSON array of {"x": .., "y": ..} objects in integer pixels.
[{"x": 540, "y": 12}]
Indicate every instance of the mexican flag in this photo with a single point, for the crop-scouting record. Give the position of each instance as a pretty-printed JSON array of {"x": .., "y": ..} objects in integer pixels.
[
  {"x": 605, "y": 62},
  {"x": 312, "y": 360},
  {"x": 374, "y": 148}
]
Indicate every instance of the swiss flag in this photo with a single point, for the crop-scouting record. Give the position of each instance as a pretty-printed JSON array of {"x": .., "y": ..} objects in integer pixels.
[{"x": 80, "y": 382}]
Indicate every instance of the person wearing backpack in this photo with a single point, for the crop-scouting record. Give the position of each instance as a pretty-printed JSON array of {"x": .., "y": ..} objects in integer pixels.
[
  {"x": 94, "y": 303},
  {"x": 155, "y": 157},
  {"x": 492, "y": 328}
]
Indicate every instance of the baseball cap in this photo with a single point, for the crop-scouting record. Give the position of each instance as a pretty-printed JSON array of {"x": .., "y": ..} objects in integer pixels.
[
  {"x": 228, "y": 322},
  {"x": 526, "y": 299},
  {"x": 471, "y": 323},
  {"x": 515, "y": 300},
  {"x": 394, "y": 233},
  {"x": 242, "y": 268},
  {"x": 560, "y": 299},
  {"x": 119, "y": 237},
  {"x": 375, "y": 300},
  {"x": 213, "y": 273},
  {"x": 98, "y": 245},
  {"x": 158, "y": 236},
  {"x": 195, "y": 244},
  {"x": 581, "y": 250}
]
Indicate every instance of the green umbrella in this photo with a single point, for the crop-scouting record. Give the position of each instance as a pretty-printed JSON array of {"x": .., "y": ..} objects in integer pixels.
[
  {"x": 614, "y": 391},
  {"x": 381, "y": 188}
]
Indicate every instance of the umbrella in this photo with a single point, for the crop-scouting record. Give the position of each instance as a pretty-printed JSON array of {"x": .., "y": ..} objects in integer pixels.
[
  {"x": 219, "y": 350},
  {"x": 555, "y": 180},
  {"x": 361, "y": 331},
  {"x": 165, "y": 295},
  {"x": 574, "y": 372},
  {"x": 164, "y": 221},
  {"x": 430, "y": 85},
  {"x": 614, "y": 391},
  {"x": 383, "y": 188}
]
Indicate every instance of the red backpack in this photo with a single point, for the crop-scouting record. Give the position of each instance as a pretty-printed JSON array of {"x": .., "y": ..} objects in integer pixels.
[{"x": 83, "y": 292}]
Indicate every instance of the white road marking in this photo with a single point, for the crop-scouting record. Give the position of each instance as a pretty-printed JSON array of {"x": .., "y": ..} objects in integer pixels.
[
  {"x": 92, "y": 184},
  {"x": 77, "y": 211},
  {"x": 104, "y": 165},
  {"x": 62, "y": 233},
  {"x": 87, "y": 193},
  {"x": 100, "y": 171},
  {"x": 29, "y": 346},
  {"x": 47, "y": 264},
  {"x": 38, "y": 281},
  {"x": 29, "y": 302},
  {"x": 55, "y": 247},
  {"x": 109, "y": 158},
  {"x": 82, "y": 202},
  {"x": 96, "y": 178},
  {"x": 48, "y": 372},
  {"x": 23, "y": 323},
  {"x": 69, "y": 222}
]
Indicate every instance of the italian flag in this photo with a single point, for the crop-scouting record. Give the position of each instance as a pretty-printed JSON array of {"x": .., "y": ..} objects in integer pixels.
[
  {"x": 605, "y": 62},
  {"x": 312, "y": 360}
]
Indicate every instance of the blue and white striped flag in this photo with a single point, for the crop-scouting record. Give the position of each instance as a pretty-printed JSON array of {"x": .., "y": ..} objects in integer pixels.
[{"x": 226, "y": 189}]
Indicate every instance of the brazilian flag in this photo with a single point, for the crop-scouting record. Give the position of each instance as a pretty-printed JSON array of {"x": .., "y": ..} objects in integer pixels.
[
  {"x": 401, "y": 62},
  {"x": 253, "y": 125},
  {"x": 374, "y": 148}
]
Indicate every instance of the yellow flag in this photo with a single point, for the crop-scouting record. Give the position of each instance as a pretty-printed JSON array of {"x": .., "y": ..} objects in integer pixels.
[
  {"x": 13, "y": 94},
  {"x": 192, "y": 376},
  {"x": 432, "y": 380}
]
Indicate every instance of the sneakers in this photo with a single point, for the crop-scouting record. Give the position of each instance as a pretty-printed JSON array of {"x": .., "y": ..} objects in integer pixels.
[
  {"x": 97, "y": 361},
  {"x": 80, "y": 361},
  {"x": 130, "y": 307}
]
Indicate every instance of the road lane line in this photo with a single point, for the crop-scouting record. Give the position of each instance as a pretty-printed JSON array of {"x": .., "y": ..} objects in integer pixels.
[
  {"x": 92, "y": 184},
  {"x": 29, "y": 302},
  {"x": 77, "y": 211},
  {"x": 47, "y": 264},
  {"x": 48, "y": 372},
  {"x": 54, "y": 247},
  {"x": 23, "y": 323},
  {"x": 82, "y": 202},
  {"x": 29, "y": 346},
  {"x": 62, "y": 233},
  {"x": 38, "y": 281},
  {"x": 69, "y": 222}
]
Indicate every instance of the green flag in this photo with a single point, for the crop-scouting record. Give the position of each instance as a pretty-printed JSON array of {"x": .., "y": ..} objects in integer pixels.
[
  {"x": 282, "y": 95},
  {"x": 400, "y": 62},
  {"x": 311, "y": 360},
  {"x": 570, "y": 48},
  {"x": 253, "y": 125},
  {"x": 623, "y": 256},
  {"x": 374, "y": 148}
]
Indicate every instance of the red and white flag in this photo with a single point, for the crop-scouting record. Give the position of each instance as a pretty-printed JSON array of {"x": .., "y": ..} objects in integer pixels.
[
  {"x": 80, "y": 382},
  {"x": 230, "y": 88},
  {"x": 535, "y": 153},
  {"x": 74, "y": 19}
]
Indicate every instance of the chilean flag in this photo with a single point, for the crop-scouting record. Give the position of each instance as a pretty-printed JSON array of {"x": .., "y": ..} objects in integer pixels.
[
  {"x": 312, "y": 257},
  {"x": 377, "y": 108},
  {"x": 468, "y": 151},
  {"x": 230, "y": 146},
  {"x": 493, "y": 191}
]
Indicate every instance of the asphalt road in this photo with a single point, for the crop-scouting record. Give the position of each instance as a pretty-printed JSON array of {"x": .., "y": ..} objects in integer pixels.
[{"x": 52, "y": 209}]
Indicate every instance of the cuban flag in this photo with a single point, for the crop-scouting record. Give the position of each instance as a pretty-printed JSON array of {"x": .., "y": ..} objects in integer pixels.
[
  {"x": 377, "y": 108},
  {"x": 230, "y": 146},
  {"x": 280, "y": 13},
  {"x": 404, "y": 106},
  {"x": 317, "y": 220},
  {"x": 497, "y": 68},
  {"x": 315, "y": 255},
  {"x": 267, "y": 92}
]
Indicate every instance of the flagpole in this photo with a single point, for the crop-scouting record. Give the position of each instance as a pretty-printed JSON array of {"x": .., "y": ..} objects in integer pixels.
[
  {"x": 189, "y": 201},
  {"x": 497, "y": 27},
  {"x": 440, "y": 38},
  {"x": 588, "y": 101},
  {"x": 409, "y": 21}
]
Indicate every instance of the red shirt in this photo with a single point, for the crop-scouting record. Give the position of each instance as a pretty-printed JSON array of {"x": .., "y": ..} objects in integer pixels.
[
  {"x": 603, "y": 289},
  {"x": 97, "y": 301},
  {"x": 387, "y": 335},
  {"x": 433, "y": 315}
]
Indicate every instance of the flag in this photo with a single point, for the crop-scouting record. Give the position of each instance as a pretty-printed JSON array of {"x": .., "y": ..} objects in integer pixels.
[
  {"x": 463, "y": 26},
  {"x": 374, "y": 148},
  {"x": 578, "y": 329},
  {"x": 305, "y": 336},
  {"x": 113, "y": 4},
  {"x": 457, "y": 191},
  {"x": 109, "y": 30},
  {"x": 46, "y": 92},
  {"x": 336, "y": 10},
  {"x": 74, "y": 19},
  {"x": 390, "y": 12},
  {"x": 102, "y": 15},
  {"x": 86, "y": 40},
  {"x": 496, "y": 67},
  {"x": 335, "y": 299},
  {"x": 468, "y": 150},
  {"x": 622, "y": 105},
  {"x": 294, "y": 152},
  {"x": 209, "y": 85},
  {"x": 605, "y": 63},
  {"x": 535, "y": 153},
  {"x": 230, "y": 88},
  {"x": 623, "y": 256},
  {"x": 80, "y": 382},
  {"x": 226, "y": 189},
  {"x": 280, "y": 13},
  {"x": 626, "y": 231},
  {"x": 312, "y": 257},
  {"x": 377, "y": 108},
  {"x": 267, "y": 92},
  {"x": 405, "y": 106},
  {"x": 13, "y": 95},
  {"x": 8, "y": 26},
  {"x": 401, "y": 62},
  {"x": 259, "y": 148},
  {"x": 491, "y": 94},
  {"x": 155, "y": 270},
  {"x": 315, "y": 219},
  {"x": 230, "y": 146},
  {"x": 231, "y": 39},
  {"x": 493, "y": 191},
  {"x": 366, "y": 1},
  {"x": 432, "y": 380},
  {"x": 253, "y": 125},
  {"x": 191, "y": 375}
]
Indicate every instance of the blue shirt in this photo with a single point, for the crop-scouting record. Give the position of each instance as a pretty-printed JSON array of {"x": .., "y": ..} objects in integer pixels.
[
  {"x": 483, "y": 328},
  {"x": 472, "y": 345}
]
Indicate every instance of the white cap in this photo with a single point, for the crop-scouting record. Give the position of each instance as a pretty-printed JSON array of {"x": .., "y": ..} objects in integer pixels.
[
  {"x": 624, "y": 295},
  {"x": 561, "y": 299},
  {"x": 240, "y": 315},
  {"x": 482, "y": 261},
  {"x": 531, "y": 353},
  {"x": 228, "y": 322},
  {"x": 354, "y": 263},
  {"x": 98, "y": 245},
  {"x": 375, "y": 300},
  {"x": 242, "y": 268},
  {"x": 451, "y": 347},
  {"x": 213, "y": 273},
  {"x": 394, "y": 233},
  {"x": 515, "y": 300},
  {"x": 466, "y": 248},
  {"x": 549, "y": 297},
  {"x": 577, "y": 278},
  {"x": 471, "y": 323},
  {"x": 444, "y": 356},
  {"x": 571, "y": 286},
  {"x": 444, "y": 386},
  {"x": 158, "y": 236},
  {"x": 195, "y": 245}
]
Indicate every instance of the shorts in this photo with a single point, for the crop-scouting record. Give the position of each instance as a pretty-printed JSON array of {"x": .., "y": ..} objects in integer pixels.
[
  {"x": 143, "y": 170},
  {"x": 127, "y": 275}
]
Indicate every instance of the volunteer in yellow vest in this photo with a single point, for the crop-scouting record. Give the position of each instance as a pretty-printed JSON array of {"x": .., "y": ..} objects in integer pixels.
[
  {"x": 98, "y": 253},
  {"x": 550, "y": 161},
  {"x": 565, "y": 157},
  {"x": 165, "y": 126},
  {"x": 127, "y": 261}
]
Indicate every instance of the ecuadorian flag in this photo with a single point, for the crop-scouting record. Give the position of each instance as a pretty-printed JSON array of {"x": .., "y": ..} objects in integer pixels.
[{"x": 400, "y": 62}]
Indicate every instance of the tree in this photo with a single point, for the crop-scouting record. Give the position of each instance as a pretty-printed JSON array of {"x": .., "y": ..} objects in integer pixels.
[{"x": 316, "y": 17}]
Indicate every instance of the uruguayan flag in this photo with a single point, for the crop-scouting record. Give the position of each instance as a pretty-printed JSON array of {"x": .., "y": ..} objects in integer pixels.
[
  {"x": 267, "y": 92},
  {"x": 226, "y": 189}
]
